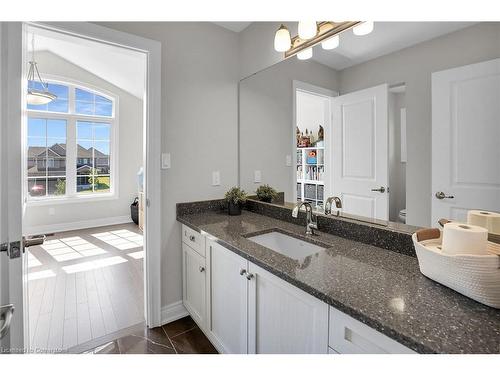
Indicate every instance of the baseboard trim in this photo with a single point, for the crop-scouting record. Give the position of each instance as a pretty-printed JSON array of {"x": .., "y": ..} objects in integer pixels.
[
  {"x": 173, "y": 312},
  {"x": 84, "y": 224}
]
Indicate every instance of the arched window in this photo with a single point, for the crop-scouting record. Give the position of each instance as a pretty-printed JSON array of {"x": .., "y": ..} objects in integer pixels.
[{"x": 71, "y": 145}]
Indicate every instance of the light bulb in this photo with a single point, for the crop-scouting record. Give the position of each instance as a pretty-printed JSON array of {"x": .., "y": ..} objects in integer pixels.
[
  {"x": 307, "y": 29},
  {"x": 363, "y": 29},
  {"x": 305, "y": 54},
  {"x": 282, "y": 40},
  {"x": 331, "y": 43}
]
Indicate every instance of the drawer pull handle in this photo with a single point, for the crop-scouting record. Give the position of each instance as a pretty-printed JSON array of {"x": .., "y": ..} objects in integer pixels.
[
  {"x": 192, "y": 238},
  {"x": 202, "y": 269}
]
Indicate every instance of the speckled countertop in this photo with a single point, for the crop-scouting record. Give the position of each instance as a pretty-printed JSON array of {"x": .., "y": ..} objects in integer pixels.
[{"x": 381, "y": 288}]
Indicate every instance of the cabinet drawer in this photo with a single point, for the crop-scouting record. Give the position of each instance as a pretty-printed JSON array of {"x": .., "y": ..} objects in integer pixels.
[
  {"x": 193, "y": 239},
  {"x": 347, "y": 335}
]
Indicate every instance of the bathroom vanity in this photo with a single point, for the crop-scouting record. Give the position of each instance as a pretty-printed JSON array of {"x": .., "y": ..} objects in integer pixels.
[{"x": 347, "y": 297}]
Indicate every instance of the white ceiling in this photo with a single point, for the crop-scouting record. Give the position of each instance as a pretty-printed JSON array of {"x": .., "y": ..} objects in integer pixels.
[
  {"x": 234, "y": 26},
  {"x": 119, "y": 66},
  {"x": 386, "y": 37}
]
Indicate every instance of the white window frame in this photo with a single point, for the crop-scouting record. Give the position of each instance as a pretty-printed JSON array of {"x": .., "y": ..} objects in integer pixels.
[{"x": 71, "y": 196}]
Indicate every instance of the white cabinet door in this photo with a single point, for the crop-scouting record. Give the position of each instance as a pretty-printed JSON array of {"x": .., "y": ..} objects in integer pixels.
[
  {"x": 228, "y": 302},
  {"x": 360, "y": 152},
  {"x": 194, "y": 281},
  {"x": 282, "y": 318},
  {"x": 465, "y": 140}
]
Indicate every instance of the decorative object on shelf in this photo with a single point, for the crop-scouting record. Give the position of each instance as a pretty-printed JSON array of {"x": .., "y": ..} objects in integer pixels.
[
  {"x": 311, "y": 157},
  {"x": 311, "y": 33},
  {"x": 235, "y": 198},
  {"x": 321, "y": 133},
  {"x": 266, "y": 193},
  {"x": 34, "y": 95}
]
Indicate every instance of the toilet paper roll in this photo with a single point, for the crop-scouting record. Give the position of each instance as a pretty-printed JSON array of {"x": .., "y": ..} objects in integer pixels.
[
  {"x": 485, "y": 219},
  {"x": 461, "y": 238}
]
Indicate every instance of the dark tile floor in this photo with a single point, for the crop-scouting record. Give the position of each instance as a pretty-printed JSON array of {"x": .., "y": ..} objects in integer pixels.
[{"x": 180, "y": 337}]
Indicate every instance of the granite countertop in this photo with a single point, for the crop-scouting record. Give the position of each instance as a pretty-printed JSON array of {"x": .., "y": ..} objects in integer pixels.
[{"x": 381, "y": 288}]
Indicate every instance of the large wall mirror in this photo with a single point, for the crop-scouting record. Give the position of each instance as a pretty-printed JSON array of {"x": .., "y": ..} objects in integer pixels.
[{"x": 402, "y": 125}]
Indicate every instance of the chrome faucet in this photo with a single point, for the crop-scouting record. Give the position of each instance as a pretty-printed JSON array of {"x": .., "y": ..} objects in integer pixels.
[
  {"x": 311, "y": 223},
  {"x": 328, "y": 205}
]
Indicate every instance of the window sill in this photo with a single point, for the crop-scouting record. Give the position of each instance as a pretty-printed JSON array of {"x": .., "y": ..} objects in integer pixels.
[{"x": 33, "y": 202}]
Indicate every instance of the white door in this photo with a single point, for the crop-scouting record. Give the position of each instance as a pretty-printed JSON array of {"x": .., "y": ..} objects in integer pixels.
[
  {"x": 228, "y": 305},
  {"x": 360, "y": 152},
  {"x": 283, "y": 319},
  {"x": 465, "y": 140},
  {"x": 194, "y": 284},
  {"x": 11, "y": 271}
]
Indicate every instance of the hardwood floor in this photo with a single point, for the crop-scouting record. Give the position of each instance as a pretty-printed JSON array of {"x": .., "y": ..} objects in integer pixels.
[{"x": 83, "y": 285}]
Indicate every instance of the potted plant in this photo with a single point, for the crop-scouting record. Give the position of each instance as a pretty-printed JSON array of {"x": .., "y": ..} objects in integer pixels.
[
  {"x": 235, "y": 198},
  {"x": 266, "y": 193}
]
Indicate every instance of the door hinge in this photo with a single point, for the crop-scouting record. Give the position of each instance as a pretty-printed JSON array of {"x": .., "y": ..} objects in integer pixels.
[
  {"x": 4, "y": 246},
  {"x": 148, "y": 203}
]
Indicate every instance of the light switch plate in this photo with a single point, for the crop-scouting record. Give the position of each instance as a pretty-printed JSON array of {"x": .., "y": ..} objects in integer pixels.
[
  {"x": 52, "y": 211},
  {"x": 288, "y": 160},
  {"x": 165, "y": 160},
  {"x": 215, "y": 178},
  {"x": 257, "y": 176}
]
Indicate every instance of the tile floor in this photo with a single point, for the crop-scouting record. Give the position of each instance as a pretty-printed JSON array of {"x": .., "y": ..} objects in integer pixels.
[
  {"x": 83, "y": 285},
  {"x": 180, "y": 337}
]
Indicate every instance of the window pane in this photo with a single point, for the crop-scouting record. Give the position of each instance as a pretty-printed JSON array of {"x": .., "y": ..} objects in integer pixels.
[
  {"x": 83, "y": 184},
  {"x": 84, "y": 108},
  {"x": 83, "y": 95},
  {"x": 102, "y": 184},
  {"x": 93, "y": 159},
  {"x": 37, "y": 187},
  {"x": 60, "y": 104},
  {"x": 46, "y": 156},
  {"x": 104, "y": 109},
  {"x": 56, "y": 186},
  {"x": 89, "y": 103}
]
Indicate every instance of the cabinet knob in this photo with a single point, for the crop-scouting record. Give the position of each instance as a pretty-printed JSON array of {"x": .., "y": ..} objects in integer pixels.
[
  {"x": 243, "y": 271},
  {"x": 202, "y": 268},
  {"x": 192, "y": 238},
  {"x": 250, "y": 276}
]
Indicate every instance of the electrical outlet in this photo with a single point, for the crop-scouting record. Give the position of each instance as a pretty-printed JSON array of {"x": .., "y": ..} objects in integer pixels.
[
  {"x": 52, "y": 211},
  {"x": 215, "y": 178},
  {"x": 257, "y": 176},
  {"x": 288, "y": 160}
]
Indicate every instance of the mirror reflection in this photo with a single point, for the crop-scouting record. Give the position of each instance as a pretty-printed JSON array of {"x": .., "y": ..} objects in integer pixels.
[{"x": 401, "y": 125}]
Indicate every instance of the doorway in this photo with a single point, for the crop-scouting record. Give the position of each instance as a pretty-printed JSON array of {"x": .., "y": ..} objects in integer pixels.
[{"x": 17, "y": 267}]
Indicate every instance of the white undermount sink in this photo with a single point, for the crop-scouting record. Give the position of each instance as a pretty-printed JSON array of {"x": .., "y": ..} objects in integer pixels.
[{"x": 287, "y": 245}]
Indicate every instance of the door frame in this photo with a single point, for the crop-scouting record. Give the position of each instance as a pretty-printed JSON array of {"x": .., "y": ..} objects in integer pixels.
[
  {"x": 151, "y": 155},
  {"x": 319, "y": 91}
]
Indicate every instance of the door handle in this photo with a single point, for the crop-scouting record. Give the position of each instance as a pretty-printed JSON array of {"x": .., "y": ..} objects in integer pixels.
[
  {"x": 441, "y": 195},
  {"x": 380, "y": 189},
  {"x": 6, "y": 313}
]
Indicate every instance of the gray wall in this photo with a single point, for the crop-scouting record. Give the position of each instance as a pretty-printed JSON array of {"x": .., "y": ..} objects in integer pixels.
[
  {"x": 414, "y": 66},
  {"x": 199, "y": 123},
  {"x": 129, "y": 154},
  {"x": 266, "y": 121}
]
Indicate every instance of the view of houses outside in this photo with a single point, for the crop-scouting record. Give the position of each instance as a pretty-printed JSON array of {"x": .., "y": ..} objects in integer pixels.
[{"x": 47, "y": 159}]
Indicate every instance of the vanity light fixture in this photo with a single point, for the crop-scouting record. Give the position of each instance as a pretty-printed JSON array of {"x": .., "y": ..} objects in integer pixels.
[
  {"x": 331, "y": 43},
  {"x": 305, "y": 54},
  {"x": 282, "y": 39},
  {"x": 36, "y": 96},
  {"x": 307, "y": 29},
  {"x": 312, "y": 33},
  {"x": 363, "y": 29}
]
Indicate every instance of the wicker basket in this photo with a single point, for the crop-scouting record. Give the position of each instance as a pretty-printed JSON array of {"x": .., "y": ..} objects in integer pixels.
[{"x": 475, "y": 276}]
